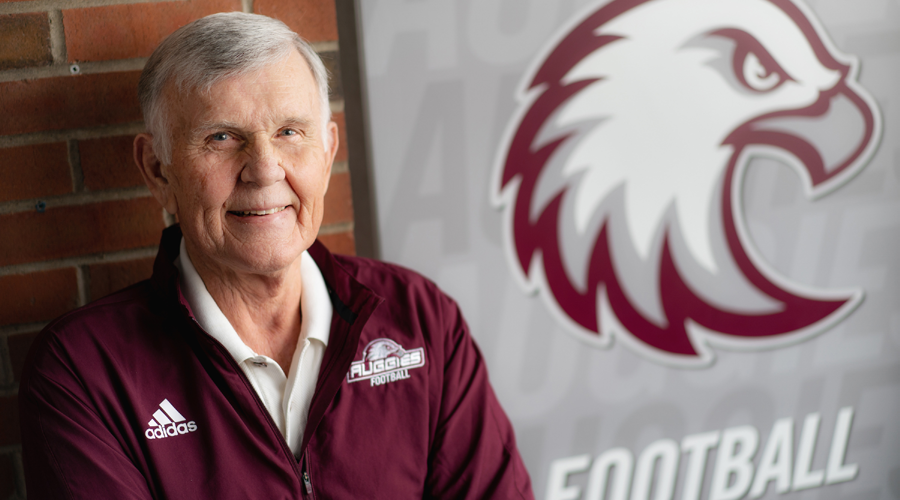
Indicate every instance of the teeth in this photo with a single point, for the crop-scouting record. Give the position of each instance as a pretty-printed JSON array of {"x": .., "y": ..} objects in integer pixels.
[{"x": 262, "y": 212}]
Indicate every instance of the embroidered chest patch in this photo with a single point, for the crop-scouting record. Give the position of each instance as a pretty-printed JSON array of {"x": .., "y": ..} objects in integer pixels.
[{"x": 385, "y": 361}]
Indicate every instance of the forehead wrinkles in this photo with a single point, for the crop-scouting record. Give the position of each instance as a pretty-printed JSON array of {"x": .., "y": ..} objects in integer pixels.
[
  {"x": 259, "y": 97},
  {"x": 232, "y": 108}
]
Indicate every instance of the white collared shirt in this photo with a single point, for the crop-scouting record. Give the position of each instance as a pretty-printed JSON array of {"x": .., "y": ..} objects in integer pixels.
[{"x": 286, "y": 398}]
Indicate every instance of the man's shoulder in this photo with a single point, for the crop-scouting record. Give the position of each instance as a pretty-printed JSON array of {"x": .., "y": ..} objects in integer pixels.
[
  {"x": 128, "y": 304},
  {"x": 112, "y": 324},
  {"x": 364, "y": 267},
  {"x": 408, "y": 297},
  {"x": 389, "y": 280}
]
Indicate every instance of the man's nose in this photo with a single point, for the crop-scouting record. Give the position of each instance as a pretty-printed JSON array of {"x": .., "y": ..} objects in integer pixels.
[{"x": 263, "y": 166}]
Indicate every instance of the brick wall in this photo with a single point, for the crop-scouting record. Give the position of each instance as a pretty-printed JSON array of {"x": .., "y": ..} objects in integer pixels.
[{"x": 76, "y": 222}]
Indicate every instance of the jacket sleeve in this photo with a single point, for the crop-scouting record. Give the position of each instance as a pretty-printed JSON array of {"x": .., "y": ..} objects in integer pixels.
[
  {"x": 474, "y": 452},
  {"x": 67, "y": 448}
]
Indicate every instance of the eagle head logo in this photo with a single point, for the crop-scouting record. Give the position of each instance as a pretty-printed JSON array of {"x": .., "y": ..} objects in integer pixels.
[
  {"x": 382, "y": 349},
  {"x": 620, "y": 175}
]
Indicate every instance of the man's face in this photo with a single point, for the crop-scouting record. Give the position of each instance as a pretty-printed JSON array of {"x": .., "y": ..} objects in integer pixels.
[{"x": 250, "y": 166}]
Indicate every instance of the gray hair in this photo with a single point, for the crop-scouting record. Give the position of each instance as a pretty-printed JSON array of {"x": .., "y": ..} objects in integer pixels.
[{"x": 209, "y": 50}]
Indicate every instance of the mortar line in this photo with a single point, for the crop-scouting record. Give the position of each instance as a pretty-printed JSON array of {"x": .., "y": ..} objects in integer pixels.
[
  {"x": 19, "y": 328},
  {"x": 63, "y": 68},
  {"x": 44, "y": 137},
  {"x": 325, "y": 46},
  {"x": 34, "y": 73},
  {"x": 6, "y": 377},
  {"x": 75, "y": 199},
  {"x": 57, "y": 36},
  {"x": 340, "y": 167},
  {"x": 83, "y": 278},
  {"x": 9, "y": 390},
  {"x": 168, "y": 219},
  {"x": 79, "y": 260},
  {"x": 337, "y": 227},
  {"x": 10, "y": 448},
  {"x": 75, "y": 166},
  {"x": 48, "y": 5}
]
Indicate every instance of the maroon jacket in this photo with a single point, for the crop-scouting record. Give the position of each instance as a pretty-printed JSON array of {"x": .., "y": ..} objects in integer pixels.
[{"x": 128, "y": 398}]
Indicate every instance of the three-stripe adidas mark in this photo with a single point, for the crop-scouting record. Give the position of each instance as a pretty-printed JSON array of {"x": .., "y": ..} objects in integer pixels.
[{"x": 167, "y": 421}]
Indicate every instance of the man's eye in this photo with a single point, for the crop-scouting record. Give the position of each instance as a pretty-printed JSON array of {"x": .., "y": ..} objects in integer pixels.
[
  {"x": 219, "y": 136},
  {"x": 288, "y": 131}
]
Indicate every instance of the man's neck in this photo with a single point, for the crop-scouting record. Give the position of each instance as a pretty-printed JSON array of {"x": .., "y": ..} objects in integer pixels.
[{"x": 263, "y": 309}]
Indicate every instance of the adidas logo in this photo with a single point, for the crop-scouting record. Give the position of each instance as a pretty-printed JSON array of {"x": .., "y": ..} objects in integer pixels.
[{"x": 167, "y": 421}]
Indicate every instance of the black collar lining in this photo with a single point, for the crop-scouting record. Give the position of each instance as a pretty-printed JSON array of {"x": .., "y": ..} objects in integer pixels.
[{"x": 343, "y": 311}]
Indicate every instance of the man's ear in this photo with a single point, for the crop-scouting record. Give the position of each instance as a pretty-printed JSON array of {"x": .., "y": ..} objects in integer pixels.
[
  {"x": 332, "y": 142},
  {"x": 153, "y": 173}
]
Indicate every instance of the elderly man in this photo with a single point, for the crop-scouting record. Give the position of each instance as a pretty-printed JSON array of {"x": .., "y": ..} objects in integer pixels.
[{"x": 255, "y": 364}]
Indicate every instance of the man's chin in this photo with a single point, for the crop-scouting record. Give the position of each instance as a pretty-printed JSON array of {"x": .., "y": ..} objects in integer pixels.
[{"x": 271, "y": 262}]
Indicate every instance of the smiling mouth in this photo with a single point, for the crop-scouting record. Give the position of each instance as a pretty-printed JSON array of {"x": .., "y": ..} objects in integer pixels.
[{"x": 248, "y": 213}]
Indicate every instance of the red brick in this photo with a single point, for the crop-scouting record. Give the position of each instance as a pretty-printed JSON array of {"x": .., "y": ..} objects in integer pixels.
[
  {"x": 41, "y": 296},
  {"x": 9, "y": 421},
  {"x": 338, "y": 201},
  {"x": 79, "y": 230},
  {"x": 34, "y": 171},
  {"x": 342, "y": 136},
  {"x": 24, "y": 40},
  {"x": 108, "y": 163},
  {"x": 113, "y": 276},
  {"x": 314, "y": 20},
  {"x": 68, "y": 102},
  {"x": 133, "y": 30},
  {"x": 342, "y": 243},
  {"x": 18, "y": 350},
  {"x": 7, "y": 471}
]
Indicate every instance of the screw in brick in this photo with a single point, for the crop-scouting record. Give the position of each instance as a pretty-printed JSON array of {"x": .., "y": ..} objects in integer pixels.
[
  {"x": 74, "y": 69},
  {"x": 40, "y": 207}
]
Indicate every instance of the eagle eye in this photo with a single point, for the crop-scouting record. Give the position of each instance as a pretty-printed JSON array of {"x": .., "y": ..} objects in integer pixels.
[
  {"x": 758, "y": 77},
  {"x": 752, "y": 64}
]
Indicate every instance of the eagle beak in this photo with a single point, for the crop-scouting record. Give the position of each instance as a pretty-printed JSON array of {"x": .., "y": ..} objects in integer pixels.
[{"x": 833, "y": 138}]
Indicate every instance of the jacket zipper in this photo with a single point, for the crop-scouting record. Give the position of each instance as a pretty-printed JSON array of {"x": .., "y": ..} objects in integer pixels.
[
  {"x": 237, "y": 369},
  {"x": 306, "y": 481}
]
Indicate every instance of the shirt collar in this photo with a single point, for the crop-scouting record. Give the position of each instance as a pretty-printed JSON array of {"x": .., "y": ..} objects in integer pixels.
[{"x": 315, "y": 306}]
